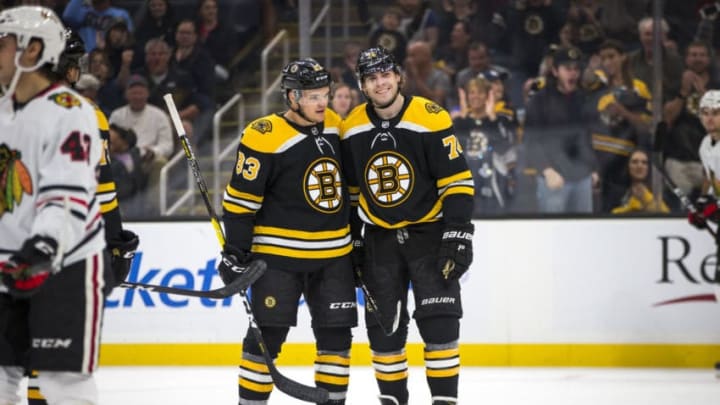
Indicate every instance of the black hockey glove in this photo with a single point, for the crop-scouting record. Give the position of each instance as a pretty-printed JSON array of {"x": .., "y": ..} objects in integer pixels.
[
  {"x": 29, "y": 268},
  {"x": 235, "y": 263},
  {"x": 122, "y": 250},
  {"x": 456, "y": 253},
  {"x": 357, "y": 257}
]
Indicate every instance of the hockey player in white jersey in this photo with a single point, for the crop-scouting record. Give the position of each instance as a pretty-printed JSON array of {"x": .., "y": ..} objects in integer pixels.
[
  {"x": 52, "y": 257},
  {"x": 707, "y": 204}
]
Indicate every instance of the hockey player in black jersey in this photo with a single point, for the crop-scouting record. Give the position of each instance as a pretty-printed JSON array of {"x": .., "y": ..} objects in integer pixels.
[
  {"x": 413, "y": 193},
  {"x": 121, "y": 243},
  {"x": 286, "y": 204}
]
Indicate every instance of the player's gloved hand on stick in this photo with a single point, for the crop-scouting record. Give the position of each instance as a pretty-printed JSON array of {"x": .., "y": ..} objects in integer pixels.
[
  {"x": 28, "y": 269},
  {"x": 122, "y": 250},
  {"x": 235, "y": 263},
  {"x": 456, "y": 253},
  {"x": 357, "y": 257}
]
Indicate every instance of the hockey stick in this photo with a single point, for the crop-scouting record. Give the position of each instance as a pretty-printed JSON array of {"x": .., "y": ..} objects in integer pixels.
[
  {"x": 290, "y": 387},
  {"x": 218, "y": 293},
  {"x": 690, "y": 207},
  {"x": 374, "y": 309}
]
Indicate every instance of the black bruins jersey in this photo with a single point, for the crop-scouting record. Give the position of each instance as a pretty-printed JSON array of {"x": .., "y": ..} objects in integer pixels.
[
  {"x": 286, "y": 201},
  {"x": 407, "y": 170},
  {"x": 106, "y": 192}
]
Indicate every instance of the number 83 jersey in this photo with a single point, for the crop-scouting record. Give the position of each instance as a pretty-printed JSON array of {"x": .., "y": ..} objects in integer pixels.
[
  {"x": 286, "y": 201},
  {"x": 406, "y": 170}
]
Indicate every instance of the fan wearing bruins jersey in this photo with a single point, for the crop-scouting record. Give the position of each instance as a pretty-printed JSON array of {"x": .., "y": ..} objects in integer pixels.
[
  {"x": 52, "y": 256},
  {"x": 413, "y": 193},
  {"x": 286, "y": 204},
  {"x": 121, "y": 243}
]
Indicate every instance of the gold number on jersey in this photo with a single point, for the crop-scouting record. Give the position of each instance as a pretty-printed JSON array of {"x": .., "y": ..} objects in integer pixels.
[
  {"x": 253, "y": 166},
  {"x": 455, "y": 148}
]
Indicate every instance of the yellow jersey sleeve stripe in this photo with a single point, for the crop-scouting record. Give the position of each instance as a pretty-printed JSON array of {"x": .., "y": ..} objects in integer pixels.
[
  {"x": 106, "y": 187},
  {"x": 458, "y": 190},
  {"x": 245, "y": 196},
  {"x": 236, "y": 209},
  {"x": 451, "y": 179},
  {"x": 109, "y": 206}
]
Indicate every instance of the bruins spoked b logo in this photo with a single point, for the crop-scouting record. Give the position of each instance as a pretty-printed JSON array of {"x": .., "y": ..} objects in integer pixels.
[
  {"x": 389, "y": 178},
  {"x": 323, "y": 185}
]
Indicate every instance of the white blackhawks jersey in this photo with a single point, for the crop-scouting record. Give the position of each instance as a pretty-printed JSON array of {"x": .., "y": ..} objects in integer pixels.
[
  {"x": 49, "y": 150},
  {"x": 710, "y": 158}
]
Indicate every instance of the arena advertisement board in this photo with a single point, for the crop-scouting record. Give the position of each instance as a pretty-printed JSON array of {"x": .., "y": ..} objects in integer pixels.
[{"x": 541, "y": 286}]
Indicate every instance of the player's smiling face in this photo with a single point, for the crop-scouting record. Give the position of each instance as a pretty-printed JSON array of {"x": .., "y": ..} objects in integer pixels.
[
  {"x": 8, "y": 46},
  {"x": 381, "y": 87}
]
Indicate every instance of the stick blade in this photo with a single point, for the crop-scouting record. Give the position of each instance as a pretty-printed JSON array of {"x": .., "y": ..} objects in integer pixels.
[{"x": 298, "y": 390}]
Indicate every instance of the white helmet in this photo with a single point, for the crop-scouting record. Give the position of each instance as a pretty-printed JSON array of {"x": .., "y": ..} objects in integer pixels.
[
  {"x": 710, "y": 100},
  {"x": 28, "y": 22}
]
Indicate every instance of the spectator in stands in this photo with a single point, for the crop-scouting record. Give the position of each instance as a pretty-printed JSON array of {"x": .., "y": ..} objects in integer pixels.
[
  {"x": 110, "y": 94},
  {"x": 88, "y": 85},
  {"x": 422, "y": 78},
  {"x": 152, "y": 127},
  {"x": 164, "y": 78},
  {"x": 91, "y": 19},
  {"x": 119, "y": 45},
  {"x": 344, "y": 99},
  {"x": 622, "y": 107},
  {"x": 521, "y": 33},
  {"x": 476, "y": 15},
  {"x": 192, "y": 57},
  {"x": 346, "y": 73},
  {"x": 157, "y": 20},
  {"x": 478, "y": 61},
  {"x": 489, "y": 147},
  {"x": 558, "y": 142},
  {"x": 583, "y": 16},
  {"x": 216, "y": 37},
  {"x": 681, "y": 113},
  {"x": 126, "y": 166},
  {"x": 419, "y": 21},
  {"x": 641, "y": 59},
  {"x": 638, "y": 197},
  {"x": 388, "y": 35},
  {"x": 453, "y": 57}
]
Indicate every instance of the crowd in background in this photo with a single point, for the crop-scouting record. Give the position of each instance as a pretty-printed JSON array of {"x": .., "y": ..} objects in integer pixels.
[{"x": 552, "y": 99}]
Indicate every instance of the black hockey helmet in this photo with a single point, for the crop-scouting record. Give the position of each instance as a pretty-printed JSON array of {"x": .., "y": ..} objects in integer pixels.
[
  {"x": 72, "y": 55},
  {"x": 304, "y": 74},
  {"x": 375, "y": 60}
]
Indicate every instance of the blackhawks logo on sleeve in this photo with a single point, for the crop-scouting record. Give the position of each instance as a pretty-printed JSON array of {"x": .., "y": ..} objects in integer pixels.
[
  {"x": 15, "y": 179},
  {"x": 65, "y": 99}
]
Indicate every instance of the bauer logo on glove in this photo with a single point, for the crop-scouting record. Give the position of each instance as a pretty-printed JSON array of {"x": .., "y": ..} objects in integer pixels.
[{"x": 456, "y": 253}]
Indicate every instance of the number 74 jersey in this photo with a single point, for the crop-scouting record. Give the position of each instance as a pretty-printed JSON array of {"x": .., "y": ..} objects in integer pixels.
[
  {"x": 406, "y": 170},
  {"x": 50, "y": 148}
]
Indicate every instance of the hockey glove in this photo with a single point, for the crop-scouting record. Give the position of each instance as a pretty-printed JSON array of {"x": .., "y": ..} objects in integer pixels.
[
  {"x": 705, "y": 204},
  {"x": 357, "y": 257},
  {"x": 122, "y": 250},
  {"x": 456, "y": 250},
  {"x": 235, "y": 263},
  {"x": 29, "y": 268}
]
